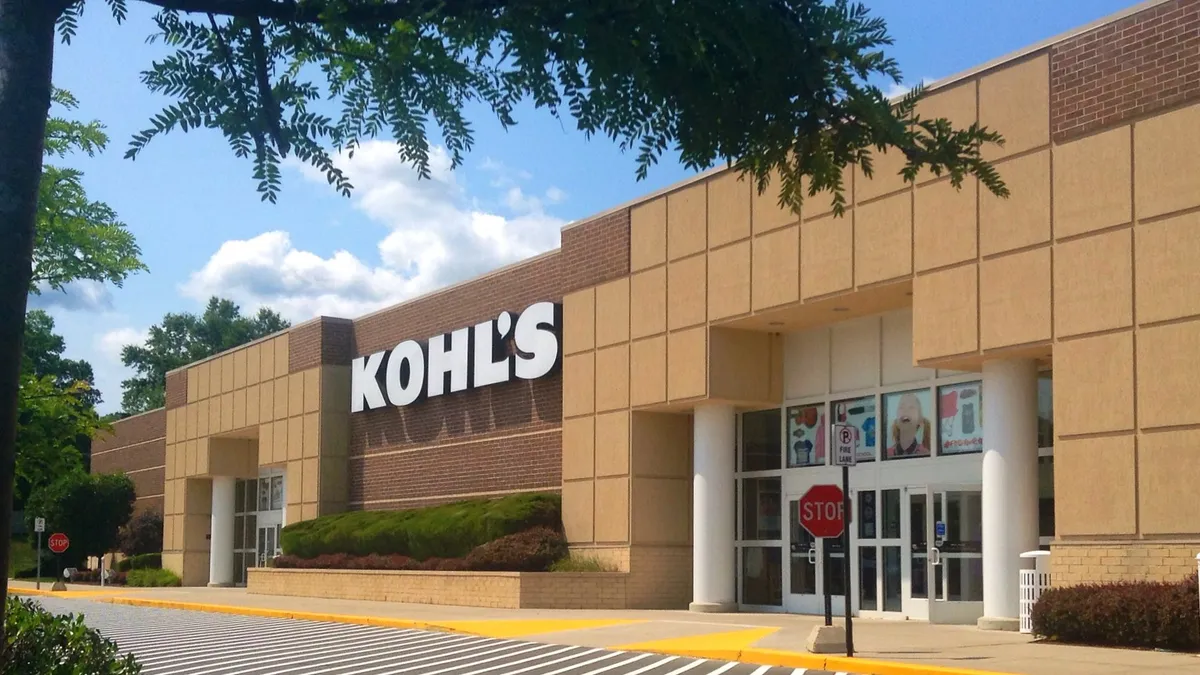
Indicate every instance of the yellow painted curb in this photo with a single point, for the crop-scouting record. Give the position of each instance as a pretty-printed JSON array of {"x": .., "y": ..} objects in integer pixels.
[
  {"x": 786, "y": 659},
  {"x": 731, "y": 641},
  {"x": 63, "y": 594}
]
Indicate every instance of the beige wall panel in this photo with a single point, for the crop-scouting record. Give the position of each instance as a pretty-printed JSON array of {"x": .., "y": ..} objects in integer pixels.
[
  {"x": 1094, "y": 486},
  {"x": 312, "y": 435},
  {"x": 729, "y": 281},
  {"x": 214, "y": 415},
  {"x": 647, "y": 371},
  {"x": 293, "y": 513},
  {"x": 612, "y": 444},
  {"x": 806, "y": 363},
  {"x": 279, "y": 441},
  {"x": 335, "y": 389},
  {"x": 239, "y": 369},
  {"x": 578, "y": 448},
  {"x": 687, "y": 221},
  {"x": 266, "y": 443},
  {"x": 253, "y": 352},
  {"x": 826, "y": 255},
  {"x": 308, "y": 511},
  {"x": 192, "y": 414},
  {"x": 728, "y": 208},
  {"x": 227, "y": 375},
  {"x": 1092, "y": 183},
  {"x": 169, "y": 463},
  {"x": 203, "y": 417},
  {"x": 883, "y": 239},
  {"x": 214, "y": 377},
  {"x": 945, "y": 313},
  {"x": 612, "y": 510},
  {"x": 266, "y": 401},
  {"x": 1168, "y": 375},
  {"x": 662, "y": 444},
  {"x": 577, "y": 510},
  {"x": 822, "y": 203},
  {"x": 226, "y": 411},
  {"x": 200, "y": 374},
  {"x": 1093, "y": 385},
  {"x": 945, "y": 230},
  {"x": 1014, "y": 299},
  {"x": 612, "y": 378},
  {"x": 612, "y": 312},
  {"x": 198, "y": 497},
  {"x": 1093, "y": 284},
  {"x": 742, "y": 365},
  {"x": 1168, "y": 268},
  {"x": 312, "y": 390},
  {"x": 775, "y": 271},
  {"x": 885, "y": 178},
  {"x": 233, "y": 457},
  {"x": 295, "y": 394},
  {"x": 1167, "y": 149},
  {"x": 311, "y": 480},
  {"x": 280, "y": 411},
  {"x": 687, "y": 356},
  {"x": 266, "y": 365},
  {"x": 281, "y": 355},
  {"x": 648, "y": 316},
  {"x": 648, "y": 234},
  {"x": 579, "y": 384},
  {"x": 202, "y": 457},
  {"x": 957, "y": 104},
  {"x": 766, "y": 213},
  {"x": 855, "y": 354},
  {"x": 172, "y": 425},
  {"x": 897, "y": 350},
  {"x": 195, "y": 536},
  {"x": 663, "y": 511},
  {"x": 687, "y": 297},
  {"x": 239, "y": 409},
  {"x": 253, "y": 404},
  {"x": 1168, "y": 463},
  {"x": 293, "y": 482},
  {"x": 295, "y": 438},
  {"x": 1015, "y": 101},
  {"x": 579, "y": 321},
  {"x": 1023, "y": 219},
  {"x": 193, "y": 386}
]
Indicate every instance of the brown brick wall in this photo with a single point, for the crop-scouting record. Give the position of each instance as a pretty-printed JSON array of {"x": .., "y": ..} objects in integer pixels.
[
  {"x": 132, "y": 430},
  {"x": 596, "y": 251},
  {"x": 176, "y": 395},
  {"x": 1125, "y": 69},
  {"x": 137, "y": 445},
  {"x": 1073, "y": 563},
  {"x": 154, "y": 504},
  {"x": 497, "y": 439},
  {"x": 322, "y": 341}
]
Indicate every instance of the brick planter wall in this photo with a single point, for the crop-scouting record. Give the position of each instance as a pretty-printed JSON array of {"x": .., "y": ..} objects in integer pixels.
[{"x": 502, "y": 590}]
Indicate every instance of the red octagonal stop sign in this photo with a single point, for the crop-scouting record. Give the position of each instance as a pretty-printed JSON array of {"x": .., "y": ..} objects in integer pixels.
[
  {"x": 821, "y": 511},
  {"x": 58, "y": 542}
]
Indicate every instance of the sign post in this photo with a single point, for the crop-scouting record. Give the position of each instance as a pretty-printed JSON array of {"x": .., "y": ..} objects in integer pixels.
[
  {"x": 845, "y": 455},
  {"x": 822, "y": 514},
  {"x": 58, "y": 543},
  {"x": 39, "y": 526}
]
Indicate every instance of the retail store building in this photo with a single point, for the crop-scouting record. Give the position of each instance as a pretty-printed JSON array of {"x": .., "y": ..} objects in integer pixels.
[{"x": 1024, "y": 373}]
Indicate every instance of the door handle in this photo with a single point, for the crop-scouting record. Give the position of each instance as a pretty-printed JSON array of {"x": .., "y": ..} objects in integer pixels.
[
  {"x": 812, "y": 555},
  {"x": 935, "y": 555}
]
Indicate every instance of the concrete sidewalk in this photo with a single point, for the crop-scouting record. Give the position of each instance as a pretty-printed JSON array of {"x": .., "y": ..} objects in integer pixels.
[{"x": 883, "y": 647}]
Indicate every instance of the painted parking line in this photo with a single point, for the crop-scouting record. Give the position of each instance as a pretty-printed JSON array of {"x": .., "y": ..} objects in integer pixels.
[{"x": 180, "y": 642}]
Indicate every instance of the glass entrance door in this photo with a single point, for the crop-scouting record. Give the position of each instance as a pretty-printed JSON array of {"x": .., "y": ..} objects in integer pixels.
[
  {"x": 811, "y": 562},
  {"x": 956, "y": 555}
]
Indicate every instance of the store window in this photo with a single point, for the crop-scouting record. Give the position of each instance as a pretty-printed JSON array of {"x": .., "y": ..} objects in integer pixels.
[
  {"x": 806, "y": 435},
  {"x": 960, "y": 418},
  {"x": 906, "y": 420},
  {"x": 762, "y": 575},
  {"x": 760, "y": 440},
  {"x": 1045, "y": 400},
  {"x": 859, "y": 413},
  {"x": 762, "y": 509}
]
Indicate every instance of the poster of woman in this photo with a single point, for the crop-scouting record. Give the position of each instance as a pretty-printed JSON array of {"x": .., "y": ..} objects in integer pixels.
[{"x": 909, "y": 431}]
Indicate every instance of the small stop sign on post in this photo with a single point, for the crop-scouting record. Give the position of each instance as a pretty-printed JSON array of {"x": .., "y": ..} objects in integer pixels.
[
  {"x": 821, "y": 511},
  {"x": 58, "y": 542}
]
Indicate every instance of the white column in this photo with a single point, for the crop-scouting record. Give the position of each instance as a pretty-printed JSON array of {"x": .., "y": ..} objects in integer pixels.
[
  {"x": 220, "y": 560},
  {"x": 715, "y": 442},
  {"x": 1010, "y": 485}
]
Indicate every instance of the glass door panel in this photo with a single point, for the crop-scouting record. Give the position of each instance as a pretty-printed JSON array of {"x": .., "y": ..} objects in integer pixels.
[
  {"x": 802, "y": 594},
  {"x": 957, "y": 555}
]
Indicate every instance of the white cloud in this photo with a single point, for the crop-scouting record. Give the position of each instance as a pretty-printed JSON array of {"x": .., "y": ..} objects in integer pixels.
[
  {"x": 555, "y": 195},
  {"x": 77, "y": 296},
  {"x": 438, "y": 234},
  {"x": 110, "y": 343},
  {"x": 897, "y": 90}
]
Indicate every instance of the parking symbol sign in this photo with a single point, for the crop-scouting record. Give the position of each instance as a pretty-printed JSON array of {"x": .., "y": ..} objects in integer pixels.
[{"x": 845, "y": 445}]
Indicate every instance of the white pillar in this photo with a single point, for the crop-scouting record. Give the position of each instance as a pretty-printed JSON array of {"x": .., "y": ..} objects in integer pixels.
[
  {"x": 1010, "y": 485},
  {"x": 220, "y": 560},
  {"x": 713, "y": 562}
]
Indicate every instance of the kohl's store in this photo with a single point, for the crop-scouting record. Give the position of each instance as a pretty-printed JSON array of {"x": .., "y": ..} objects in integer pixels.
[{"x": 1021, "y": 373}]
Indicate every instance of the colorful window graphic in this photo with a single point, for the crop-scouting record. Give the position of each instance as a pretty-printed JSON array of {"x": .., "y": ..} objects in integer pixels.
[
  {"x": 909, "y": 430},
  {"x": 960, "y": 411},
  {"x": 806, "y": 435},
  {"x": 860, "y": 414}
]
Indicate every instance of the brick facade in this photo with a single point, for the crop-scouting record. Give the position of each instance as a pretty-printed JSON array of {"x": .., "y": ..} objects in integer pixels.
[
  {"x": 137, "y": 446},
  {"x": 322, "y": 341},
  {"x": 596, "y": 251},
  {"x": 1126, "y": 69},
  {"x": 1074, "y": 563},
  {"x": 176, "y": 389}
]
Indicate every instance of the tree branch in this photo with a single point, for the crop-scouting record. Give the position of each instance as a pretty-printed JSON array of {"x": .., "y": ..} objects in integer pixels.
[
  {"x": 313, "y": 11},
  {"x": 269, "y": 107}
]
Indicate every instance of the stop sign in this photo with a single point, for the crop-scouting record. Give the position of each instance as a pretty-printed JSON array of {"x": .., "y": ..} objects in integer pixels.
[
  {"x": 821, "y": 511},
  {"x": 58, "y": 542}
]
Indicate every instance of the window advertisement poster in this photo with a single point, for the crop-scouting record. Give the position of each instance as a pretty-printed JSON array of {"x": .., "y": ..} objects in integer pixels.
[
  {"x": 960, "y": 411},
  {"x": 860, "y": 414},
  {"x": 906, "y": 416},
  {"x": 806, "y": 435}
]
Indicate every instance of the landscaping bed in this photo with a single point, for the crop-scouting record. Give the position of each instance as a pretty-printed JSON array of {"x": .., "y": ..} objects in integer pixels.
[{"x": 1139, "y": 614}]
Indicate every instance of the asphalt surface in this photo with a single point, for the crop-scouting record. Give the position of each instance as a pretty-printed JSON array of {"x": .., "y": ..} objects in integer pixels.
[{"x": 175, "y": 642}]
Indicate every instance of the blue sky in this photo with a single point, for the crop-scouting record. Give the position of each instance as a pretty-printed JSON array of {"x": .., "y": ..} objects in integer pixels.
[{"x": 203, "y": 229}]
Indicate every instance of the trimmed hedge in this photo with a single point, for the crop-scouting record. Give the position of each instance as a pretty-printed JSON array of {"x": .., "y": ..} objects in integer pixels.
[
  {"x": 446, "y": 531},
  {"x": 342, "y": 561},
  {"x": 152, "y": 578},
  {"x": 1154, "y": 615},
  {"x": 144, "y": 561}
]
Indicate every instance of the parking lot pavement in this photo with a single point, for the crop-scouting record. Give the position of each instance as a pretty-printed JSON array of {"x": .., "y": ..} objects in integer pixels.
[{"x": 177, "y": 642}]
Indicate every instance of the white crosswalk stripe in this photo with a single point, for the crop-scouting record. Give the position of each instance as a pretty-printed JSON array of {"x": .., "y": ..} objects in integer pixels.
[{"x": 175, "y": 642}]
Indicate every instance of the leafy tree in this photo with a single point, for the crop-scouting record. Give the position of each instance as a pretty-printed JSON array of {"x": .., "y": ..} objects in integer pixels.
[
  {"x": 54, "y": 429},
  {"x": 143, "y": 534},
  {"x": 183, "y": 338},
  {"x": 89, "y": 508},
  {"x": 775, "y": 87},
  {"x": 43, "y": 357}
]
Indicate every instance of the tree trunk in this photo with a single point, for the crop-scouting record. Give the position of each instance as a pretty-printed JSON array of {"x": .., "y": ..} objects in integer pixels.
[{"x": 26, "y": 60}]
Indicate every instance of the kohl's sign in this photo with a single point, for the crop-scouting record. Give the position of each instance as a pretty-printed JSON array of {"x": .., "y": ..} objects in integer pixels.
[{"x": 463, "y": 359}]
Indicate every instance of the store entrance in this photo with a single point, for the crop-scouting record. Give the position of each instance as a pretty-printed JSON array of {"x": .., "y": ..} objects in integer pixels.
[{"x": 812, "y": 563}]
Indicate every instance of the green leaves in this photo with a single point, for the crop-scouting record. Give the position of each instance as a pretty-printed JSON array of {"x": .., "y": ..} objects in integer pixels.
[
  {"x": 88, "y": 508},
  {"x": 38, "y": 641}
]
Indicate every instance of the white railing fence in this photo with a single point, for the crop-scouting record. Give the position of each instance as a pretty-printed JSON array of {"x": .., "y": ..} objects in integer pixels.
[{"x": 1033, "y": 583}]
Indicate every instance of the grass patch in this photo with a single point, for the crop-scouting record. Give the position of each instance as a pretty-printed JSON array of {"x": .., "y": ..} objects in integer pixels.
[
  {"x": 582, "y": 564},
  {"x": 21, "y": 556}
]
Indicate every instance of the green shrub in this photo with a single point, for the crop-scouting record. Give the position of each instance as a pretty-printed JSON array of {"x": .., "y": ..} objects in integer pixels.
[
  {"x": 144, "y": 561},
  {"x": 446, "y": 531},
  {"x": 581, "y": 564},
  {"x": 48, "y": 644},
  {"x": 1164, "y": 615},
  {"x": 532, "y": 550},
  {"x": 151, "y": 577}
]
